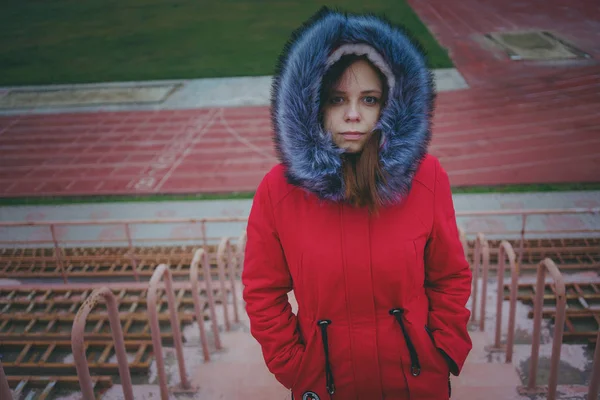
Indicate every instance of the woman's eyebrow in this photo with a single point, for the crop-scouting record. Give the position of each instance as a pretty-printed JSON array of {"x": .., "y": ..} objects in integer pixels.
[{"x": 363, "y": 92}]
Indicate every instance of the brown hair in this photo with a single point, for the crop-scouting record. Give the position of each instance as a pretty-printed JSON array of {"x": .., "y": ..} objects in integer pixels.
[{"x": 362, "y": 171}]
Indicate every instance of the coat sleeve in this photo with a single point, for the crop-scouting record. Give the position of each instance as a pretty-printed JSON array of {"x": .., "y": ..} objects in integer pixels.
[
  {"x": 267, "y": 280},
  {"x": 448, "y": 279}
]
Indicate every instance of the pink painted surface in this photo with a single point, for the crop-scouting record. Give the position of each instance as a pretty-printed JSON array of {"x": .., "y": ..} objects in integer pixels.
[
  {"x": 486, "y": 224},
  {"x": 555, "y": 222},
  {"x": 519, "y": 122}
]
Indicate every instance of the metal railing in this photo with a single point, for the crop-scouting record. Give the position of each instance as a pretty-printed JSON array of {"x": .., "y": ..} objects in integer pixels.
[
  {"x": 225, "y": 265},
  {"x": 481, "y": 258},
  {"x": 241, "y": 249},
  {"x": 201, "y": 257},
  {"x": 506, "y": 251},
  {"x": 127, "y": 236},
  {"x": 595, "y": 379},
  {"x": 202, "y": 237},
  {"x": 162, "y": 271},
  {"x": 78, "y": 346},
  {"x": 4, "y": 388},
  {"x": 525, "y": 216},
  {"x": 559, "y": 322}
]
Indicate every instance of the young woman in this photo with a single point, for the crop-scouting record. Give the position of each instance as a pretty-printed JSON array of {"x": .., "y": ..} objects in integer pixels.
[{"x": 358, "y": 221}]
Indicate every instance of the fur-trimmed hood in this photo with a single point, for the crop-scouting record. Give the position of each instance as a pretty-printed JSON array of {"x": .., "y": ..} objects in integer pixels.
[{"x": 311, "y": 159}]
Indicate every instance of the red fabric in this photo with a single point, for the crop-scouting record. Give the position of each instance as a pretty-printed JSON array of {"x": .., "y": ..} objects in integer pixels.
[{"x": 351, "y": 268}]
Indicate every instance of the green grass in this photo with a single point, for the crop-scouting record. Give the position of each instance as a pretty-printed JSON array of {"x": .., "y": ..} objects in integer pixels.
[
  {"x": 73, "y": 41},
  {"x": 528, "y": 188},
  {"x": 38, "y": 201}
]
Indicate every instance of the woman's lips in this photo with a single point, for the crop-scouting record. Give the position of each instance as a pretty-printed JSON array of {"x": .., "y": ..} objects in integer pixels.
[{"x": 352, "y": 135}]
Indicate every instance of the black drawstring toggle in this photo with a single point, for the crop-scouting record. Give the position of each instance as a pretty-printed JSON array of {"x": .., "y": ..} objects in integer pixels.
[
  {"x": 323, "y": 324},
  {"x": 415, "y": 367}
]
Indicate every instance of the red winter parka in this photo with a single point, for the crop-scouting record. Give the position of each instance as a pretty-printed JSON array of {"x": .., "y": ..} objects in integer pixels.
[{"x": 381, "y": 297}]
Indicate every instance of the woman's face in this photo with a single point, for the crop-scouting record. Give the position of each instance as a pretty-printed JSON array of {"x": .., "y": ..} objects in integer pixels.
[{"x": 353, "y": 107}]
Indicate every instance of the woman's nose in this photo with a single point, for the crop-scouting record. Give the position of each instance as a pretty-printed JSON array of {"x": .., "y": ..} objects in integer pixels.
[{"x": 352, "y": 114}]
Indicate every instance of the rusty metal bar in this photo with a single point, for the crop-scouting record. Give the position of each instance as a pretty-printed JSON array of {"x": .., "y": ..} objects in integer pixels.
[
  {"x": 476, "y": 262},
  {"x": 140, "y": 240},
  {"x": 522, "y": 243},
  {"x": 514, "y": 275},
  {"x": 484, "y": 252},
  {"x": 59, "y": 308},
  {"x": 203, "y": 258},
  {"x": 506, "y": 251},
  {"x": 199, "y": 305},
  {"x": 30, "y": 361},
  {"x": 9, "y": 321},
  {"x": 156, "y": 221},
  {"x": 223, "y": 293},
  {"x": 91, "y": 286},
  {"x": 561, "y": 303},
  {"x": 241, "y": 252},
  {"x": 4, "y": 388},
  {"x": 17, "y": 264},
  {"x": 132, "y": 253},
  {"x": 162, "y": 271},
  {"x": 464, "y": 242},
  {"x": 231, "y": 267},
  {"x": 225, "y": 262},
  {"x": 77, "y": 343},
  {"x": 57, "y": 253},
  {"x": 572, "y": 293},
  {"x": 595, "y": 377},
  {"x": 48, "y": 383},
  {"x": 580, "y": 210},
  {"x": 204, "y": 236}
]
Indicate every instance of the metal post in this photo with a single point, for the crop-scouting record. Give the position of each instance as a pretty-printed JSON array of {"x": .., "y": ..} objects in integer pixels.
[
  {"x": 505, "y": 251},
  {"x": 204, "y": 238},
  {"x": 241, "y": 250},
  {"x": 514, "y": 280},
  {"x": 163, "y": 271},
  {"x": 78, "y": 346},
  {"x": 561, "y": 303},
  {"x": 522, "y": 244},
  {"x": 57, "y": 254},
  {"x": 4, "y": 388},
  {"x": 131, "y": 253},
  {"x": 476, "y": 259},
  {"x": 499, "y": 298},
  {"x": 595, "y": 379},
  {"x": 485, "y": 252},
  {"x": 199, "y": 305},
  {"x": 231, "y": 271},
  {"x": 221, "y": 267}
]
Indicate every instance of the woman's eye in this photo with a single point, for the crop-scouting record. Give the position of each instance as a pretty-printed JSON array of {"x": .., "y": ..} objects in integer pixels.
[
  {"x": 336, "y": 100},
  {"x": 371, "y": 100}
]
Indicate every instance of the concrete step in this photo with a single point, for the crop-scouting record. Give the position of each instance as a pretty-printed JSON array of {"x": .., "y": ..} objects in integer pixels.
[
  {"x": 487, "y": 375},
  {"x": 486, "y": 393},
  {"x": 238, "y": 372}
]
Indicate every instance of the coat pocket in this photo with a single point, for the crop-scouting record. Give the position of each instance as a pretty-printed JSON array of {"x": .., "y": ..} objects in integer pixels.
[
  {"x": 311, "y": 369},
  {"x": 437, "y": 357}
]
